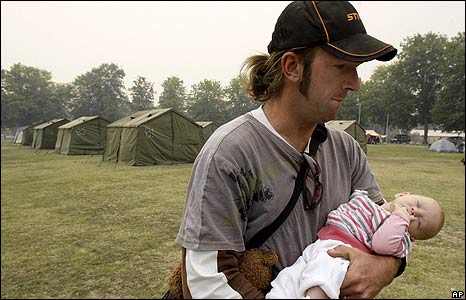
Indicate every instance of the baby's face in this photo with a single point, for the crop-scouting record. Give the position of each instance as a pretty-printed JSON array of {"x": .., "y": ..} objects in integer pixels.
[{"x": 426, "y": 216}]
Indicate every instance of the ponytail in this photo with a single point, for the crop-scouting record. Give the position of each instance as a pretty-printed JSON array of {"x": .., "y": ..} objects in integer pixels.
[{"x": 265, "y": 77}]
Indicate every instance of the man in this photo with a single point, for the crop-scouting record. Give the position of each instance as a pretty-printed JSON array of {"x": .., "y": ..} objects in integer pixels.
[{"x": 244, "y": 175}]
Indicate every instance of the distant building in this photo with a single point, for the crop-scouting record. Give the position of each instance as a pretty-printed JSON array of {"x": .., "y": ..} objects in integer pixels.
[
  {"x": 434, "y": 135},
  {"x": 8, "y": 134}
]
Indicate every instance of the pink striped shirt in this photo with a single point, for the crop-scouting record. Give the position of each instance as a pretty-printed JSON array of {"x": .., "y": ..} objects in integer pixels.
[{"x": 361, "y": 218}]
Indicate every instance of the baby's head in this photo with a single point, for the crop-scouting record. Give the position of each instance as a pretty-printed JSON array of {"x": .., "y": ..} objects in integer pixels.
[{"x": 426, "y": 215}]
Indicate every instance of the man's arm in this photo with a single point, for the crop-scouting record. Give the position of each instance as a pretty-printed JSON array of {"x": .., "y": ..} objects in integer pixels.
[
  {"x": 367, "y": 274},
  {"x": 215, "y": 274}
]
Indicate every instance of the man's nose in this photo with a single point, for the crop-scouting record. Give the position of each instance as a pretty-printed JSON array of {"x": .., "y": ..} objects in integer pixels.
[{"x": 353, "y": 82}]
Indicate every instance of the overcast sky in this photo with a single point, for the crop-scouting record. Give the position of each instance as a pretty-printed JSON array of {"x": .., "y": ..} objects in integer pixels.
[{"x": 193, "y": 40}]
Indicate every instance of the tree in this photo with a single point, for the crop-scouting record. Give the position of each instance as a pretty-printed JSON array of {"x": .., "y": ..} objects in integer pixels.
[
  {"x": 173, "y": 94},
  {"x": 408, "y": 89},
  {"x": 350, "y": 107},
  {"x": 448, "y": 110},
  {"x": 238, "y": 101},
  {"x": 206, "y": 102},
  {"x": 385, "y": 96},
  {"x": 28, "y": 95},
  {"x": 62, "y": 93},
  {"x": 142, "y": 94},
  {"x": 100, "y": 92},
  {"x": 420, "y": 72},
  {"x": 4, "y": 100}
]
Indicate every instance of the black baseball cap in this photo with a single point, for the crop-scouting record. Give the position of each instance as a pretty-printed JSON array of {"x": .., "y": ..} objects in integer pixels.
[{"x": 334, "y": 25}]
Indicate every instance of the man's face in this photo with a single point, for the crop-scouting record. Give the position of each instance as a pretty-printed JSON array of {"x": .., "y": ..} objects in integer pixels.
[{"x": 331, "y": 79}]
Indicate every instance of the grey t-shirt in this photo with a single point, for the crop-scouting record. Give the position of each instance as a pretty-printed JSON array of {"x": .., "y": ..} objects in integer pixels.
[{"x": 244, "y": 177}]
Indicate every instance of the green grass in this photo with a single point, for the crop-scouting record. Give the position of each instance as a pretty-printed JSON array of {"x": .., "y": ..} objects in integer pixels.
[
  {"x": 436, "y": 266},
  {"x": 74, "y": 227}
]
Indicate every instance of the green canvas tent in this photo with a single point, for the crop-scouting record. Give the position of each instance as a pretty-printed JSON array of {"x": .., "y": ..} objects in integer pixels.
[
  {"x": 353, "y": 128},
  {"x": 207, "y": 128},
  {"x": 45, "y": 134},
  {"x": 19, "y": 135},
  {"x": 153, "y": 137},
  {"x": 85, "y": 135},
  {"x": 27, "y": 134}
]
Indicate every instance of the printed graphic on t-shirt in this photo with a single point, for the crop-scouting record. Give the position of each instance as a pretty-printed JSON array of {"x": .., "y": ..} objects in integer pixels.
[{"x": 261, "y": 193}]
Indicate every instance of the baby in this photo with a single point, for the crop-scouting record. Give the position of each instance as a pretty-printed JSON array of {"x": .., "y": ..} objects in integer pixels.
[{"x": 388, "y": 229}]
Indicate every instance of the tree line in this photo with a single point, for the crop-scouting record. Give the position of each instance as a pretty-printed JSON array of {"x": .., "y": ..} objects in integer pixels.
[
  {"x": 424, "y": 86},
  {"x": 29, "y": 95}
]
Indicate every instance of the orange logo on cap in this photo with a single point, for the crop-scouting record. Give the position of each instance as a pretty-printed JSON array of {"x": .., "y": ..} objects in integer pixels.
[{"x": 352, "y": 17}]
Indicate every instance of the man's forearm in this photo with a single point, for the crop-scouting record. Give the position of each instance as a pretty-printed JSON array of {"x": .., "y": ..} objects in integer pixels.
[
  {"x": 394, "y": 266},
  {"x": 215, "y": 274}
]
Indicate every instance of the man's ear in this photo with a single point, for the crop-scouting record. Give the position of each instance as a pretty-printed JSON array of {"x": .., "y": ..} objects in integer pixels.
[
  {"x": 291, "y": 67},
  {"x": 401, "y": 194}
]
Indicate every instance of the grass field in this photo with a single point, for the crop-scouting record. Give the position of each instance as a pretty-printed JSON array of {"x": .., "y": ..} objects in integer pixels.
[{"x": 74, "y": 227}]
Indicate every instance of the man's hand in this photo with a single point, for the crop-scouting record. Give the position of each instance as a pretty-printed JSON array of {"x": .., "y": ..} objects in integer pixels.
[{"x": 367, "y": 274}]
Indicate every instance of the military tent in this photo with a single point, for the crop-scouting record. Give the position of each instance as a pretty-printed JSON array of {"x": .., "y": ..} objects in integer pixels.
[
  {"x": 353, "y": 128},
  {"x": 442, "y": 145},
  {"x": 45, "y": 134},
  {"x": 25, "y": 136},
  {"x": 153, "y": 137},
  {"x": 19, "y": 135},
  {"x": 85, "y": 135},
  {"x": 207, "y": 128}
]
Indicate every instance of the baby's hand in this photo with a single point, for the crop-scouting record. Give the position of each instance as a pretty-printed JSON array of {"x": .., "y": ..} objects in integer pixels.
[{"x": 403, "y": 210}]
